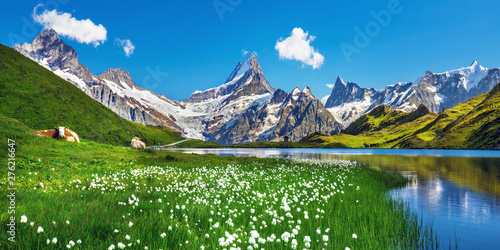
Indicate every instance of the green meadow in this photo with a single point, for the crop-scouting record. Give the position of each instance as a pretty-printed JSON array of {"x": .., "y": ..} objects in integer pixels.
[{"x": 99, "y": 196}]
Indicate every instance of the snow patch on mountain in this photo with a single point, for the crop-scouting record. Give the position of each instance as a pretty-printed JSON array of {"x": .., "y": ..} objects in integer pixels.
[
  {"x": 469, "y": 76},
  {"x": 350, "y": 111},
  {"x": 64, "y": 74}
]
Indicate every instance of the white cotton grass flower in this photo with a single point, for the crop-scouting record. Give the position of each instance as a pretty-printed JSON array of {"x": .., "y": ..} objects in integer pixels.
[
  {"x": 163, "y": 235},
  {"x": 40, "y": 229},
  {"x": 72, "y": 243},
  {"x": 54, "y": 240},
  {"x": 32, "y": 223},
  {"x": 346, "y": 248},
  {"x": 121, "y": 245},
  {"x": 48, "y": 241},
  {"x": 111, "y": 247},
  {"x": 127, "y": 237},
  {"x": 354, "y": 236},
  {"x": 116, "y": 231},
  {"x": 130, "y": 224},
  {"x": 24, "y": 219},
  {"x": 79, "y": 241},
  {"x": 325, "y": 237},
  {"x": 68, "y": 246},
  {"x": 294, "y": 243}
]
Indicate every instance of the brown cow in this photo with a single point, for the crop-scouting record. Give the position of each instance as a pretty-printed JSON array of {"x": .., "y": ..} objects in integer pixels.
[{"x": 60, "y": 133}]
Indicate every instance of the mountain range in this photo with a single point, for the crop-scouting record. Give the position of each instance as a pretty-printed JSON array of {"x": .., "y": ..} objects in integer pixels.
[
  {"x": 436, "y": 91},
  {"x": 246, "y": 108},
  {"x": 474, "y": 124}
]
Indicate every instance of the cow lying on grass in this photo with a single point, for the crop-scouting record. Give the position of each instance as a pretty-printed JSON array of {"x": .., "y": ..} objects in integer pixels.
[
  {"x": 137, "y": 143},
  {"x": 60, "y": 133}
]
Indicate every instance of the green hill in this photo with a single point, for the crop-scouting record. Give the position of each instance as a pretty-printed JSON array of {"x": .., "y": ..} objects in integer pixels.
[
  {"x": 35, "y": 99},
  {"x": 474, "y": 124}
]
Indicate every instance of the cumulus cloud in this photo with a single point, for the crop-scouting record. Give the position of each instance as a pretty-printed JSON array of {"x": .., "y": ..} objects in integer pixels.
[
  {"x": 297, "y": 47},
  {"x": 244, "y": 52},
  {"x": 127, "y": 45},
  {"x": 83, "y": 31},
  {"x": 329, "y": 85}
]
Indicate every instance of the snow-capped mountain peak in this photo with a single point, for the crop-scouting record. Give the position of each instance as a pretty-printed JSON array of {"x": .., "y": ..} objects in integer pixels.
[
  {"x": 246, "y": 79},
  {"x": 250, "y": 63},
  {"x": 296, "y": 91},
  {"x": 468, "y": 77},
  {"x": 306, "y": 90},
  {"x": 119, "y": 76},
  {"x": 340, "y": 81}
]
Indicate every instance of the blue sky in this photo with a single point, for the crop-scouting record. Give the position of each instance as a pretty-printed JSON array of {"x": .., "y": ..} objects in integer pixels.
[{"x": 183, "y": 46}]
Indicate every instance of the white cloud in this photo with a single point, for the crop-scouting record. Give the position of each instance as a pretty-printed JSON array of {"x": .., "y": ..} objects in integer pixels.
[
  {"x": 127, "y": 45},
  {"x": 297, "y": 47},
  {"x": 329, "y": 85},
  {"x": 244, "y": 52},
  {"x": 83, "y": 31}
]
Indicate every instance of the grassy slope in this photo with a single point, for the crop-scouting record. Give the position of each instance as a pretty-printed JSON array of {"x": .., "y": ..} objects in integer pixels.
[
  {"x": 39, "y": 99},
  {"x": 474, "y": 124}
]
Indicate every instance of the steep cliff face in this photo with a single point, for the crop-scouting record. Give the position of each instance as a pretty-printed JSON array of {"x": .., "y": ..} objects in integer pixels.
[{"x": 295, "y": 115}]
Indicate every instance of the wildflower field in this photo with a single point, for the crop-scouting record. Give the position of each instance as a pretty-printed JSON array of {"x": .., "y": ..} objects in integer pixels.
[{"x": 96, "y": 196}]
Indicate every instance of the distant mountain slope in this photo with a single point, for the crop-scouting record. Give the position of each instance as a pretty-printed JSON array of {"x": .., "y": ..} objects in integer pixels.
[
  {"x": 474, "y": 124},
  {"x": 32, "y": 95},
  {"x": 436, "y": 91}
]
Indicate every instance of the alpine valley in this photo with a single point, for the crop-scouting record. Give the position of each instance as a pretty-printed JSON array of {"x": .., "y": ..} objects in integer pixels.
[{"x": 246, "y": 108}]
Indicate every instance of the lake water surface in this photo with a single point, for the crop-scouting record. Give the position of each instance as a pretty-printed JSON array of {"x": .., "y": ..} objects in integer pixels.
[{"x": 458, "y": 190}]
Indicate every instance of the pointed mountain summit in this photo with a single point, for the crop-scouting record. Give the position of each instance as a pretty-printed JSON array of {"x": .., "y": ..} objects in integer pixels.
[
  {"x": 246, "y": 79},
  {"x": 120, "y": 77},
  {"x": 50, "y": 51},
  {"x": 343, "y": 92}
]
